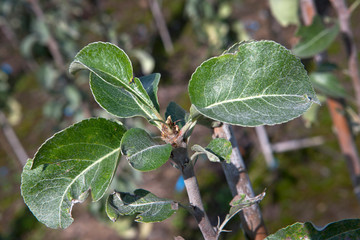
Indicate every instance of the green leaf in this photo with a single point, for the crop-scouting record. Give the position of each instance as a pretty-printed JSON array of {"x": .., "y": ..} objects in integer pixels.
[
  {"x": 177, "y": 113},
  {"x": 285, "y": 11},
  {"x": 218, "y": 150},
  {"x": 142, "y": 152},
  {"x": 150, "y": 83},
  {"x": 80, "y": 158},
  {"x": 344, "y": 229},
  {"x": 116, "y": 100},
  {"x": 260, "y": 83},
  {"x": 314, "y": 38},
  {"x": 112, "y": 81},
  {"x": 238, "y": 203},
  {"x": 150, "y": 207},
  {"x": 328, "y": 84}
]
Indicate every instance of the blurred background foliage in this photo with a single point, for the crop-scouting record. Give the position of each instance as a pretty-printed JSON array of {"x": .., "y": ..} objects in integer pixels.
[{"x": 40, "y": 38}]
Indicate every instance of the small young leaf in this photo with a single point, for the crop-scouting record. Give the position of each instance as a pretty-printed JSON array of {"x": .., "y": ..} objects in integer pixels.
[
  {"x": 261, "y": 83},
  {"x": 314, "y": 38},
  {"x": 221, "y": 148},
  {"x": 150, "y": 207},
  {"x": 328, "y": 84},
  {"x": 150, "y": 83},
  {"x": 285, "y": 11},
  {"x": 142, "y": 152},
  {"x": 238, "y": 203},
  {"x": 344, "y": 229},
  {"x": 177, "y": 113},
  {"x": 80, "y": 158},
  {"x": 218, "y": 150}
]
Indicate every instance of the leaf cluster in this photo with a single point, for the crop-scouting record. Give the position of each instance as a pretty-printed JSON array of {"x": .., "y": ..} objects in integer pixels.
[{"x": 253, "y": 83}]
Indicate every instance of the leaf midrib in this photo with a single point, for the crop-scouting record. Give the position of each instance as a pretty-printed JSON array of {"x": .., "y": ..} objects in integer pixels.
[
  {"x": 250, "y": 98},
  {"x": 80, "y": 174},
  {"x": 145, "y": 149}
]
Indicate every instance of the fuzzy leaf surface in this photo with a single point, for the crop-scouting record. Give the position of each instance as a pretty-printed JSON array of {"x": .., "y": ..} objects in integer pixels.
[
  {"x": 218, "y": 150},
  {"x": 149, "y": 207},
  {"x": 314, "y": 38},
  {"x": 112, "y": 81},
  {"x": 142, "y": 152},
  {"x": 344, "y": 229},
  {"x": 259, "y": 83},
  {"x": 80, "y": 158}
]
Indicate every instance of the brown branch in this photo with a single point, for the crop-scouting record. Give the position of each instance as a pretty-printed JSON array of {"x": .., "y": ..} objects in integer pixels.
[
  {"x": 266, "y": 146},
  {"x": 346, "y": 141},
  {"x": 181, "y": 159},
  {"x": 239, "y": 183},
  {"x": 308, "y": 11},
  {"x": 13, "y": 140},
  {"x": 161, "y": 25},
  {"x": 51, "y": 42},
  {"x": 353, "y": 63}
]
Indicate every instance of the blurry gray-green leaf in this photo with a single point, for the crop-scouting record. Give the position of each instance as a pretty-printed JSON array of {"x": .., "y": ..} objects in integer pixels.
[
  {"x": 218, "y": 150},
  {"x": 260, "y": 83},
  {"x": 73, "y": 96},
  {"x": 177, "y": 113},
  {"x": 150, "y": 83},
  {"x": 75, "y": 160},
  {"x": 149, "y": 207},
  {"x": 39, "y": 26},
  {"x": 47, "y": 74},
  {"x": 110, "y": 64},
  {"x": 286, "y": 12},
  {"x": 344, "y": 229},
  {"x": 142, "y": 152},
  {"x": 146, "y": 61},
  {"x": 314, "y": 38},
  {"x": 27, "y": 45},
  {"x": 241, "y": 31},
  {"x": 328, "y": 84},
  {"x": 53, "y": 109}
]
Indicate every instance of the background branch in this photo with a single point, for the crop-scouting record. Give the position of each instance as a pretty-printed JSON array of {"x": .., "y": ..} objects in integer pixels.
[
  {"x": 337, "y": 107},
  {"x": 351, "y": 50},
  {"x": 13, "y": 140},
  {"x": 239, "y": 183}
]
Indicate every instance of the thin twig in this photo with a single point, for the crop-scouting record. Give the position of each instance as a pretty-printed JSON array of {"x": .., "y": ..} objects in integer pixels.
[
  {"x": 308, "y": 11},
  {"x": 13, "y": 140},
  {"x": 239, "y": 183},
  {"x": 51, "y": 42},
  {"x": 346, "y": 141},
  {"x": 347, "y": 34},
  {"x": 266, "y": 147},
  {"x": 161, "y": 26},
  {"x": 297, "y": 144},
  {"x": 181, "y": 159}
]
